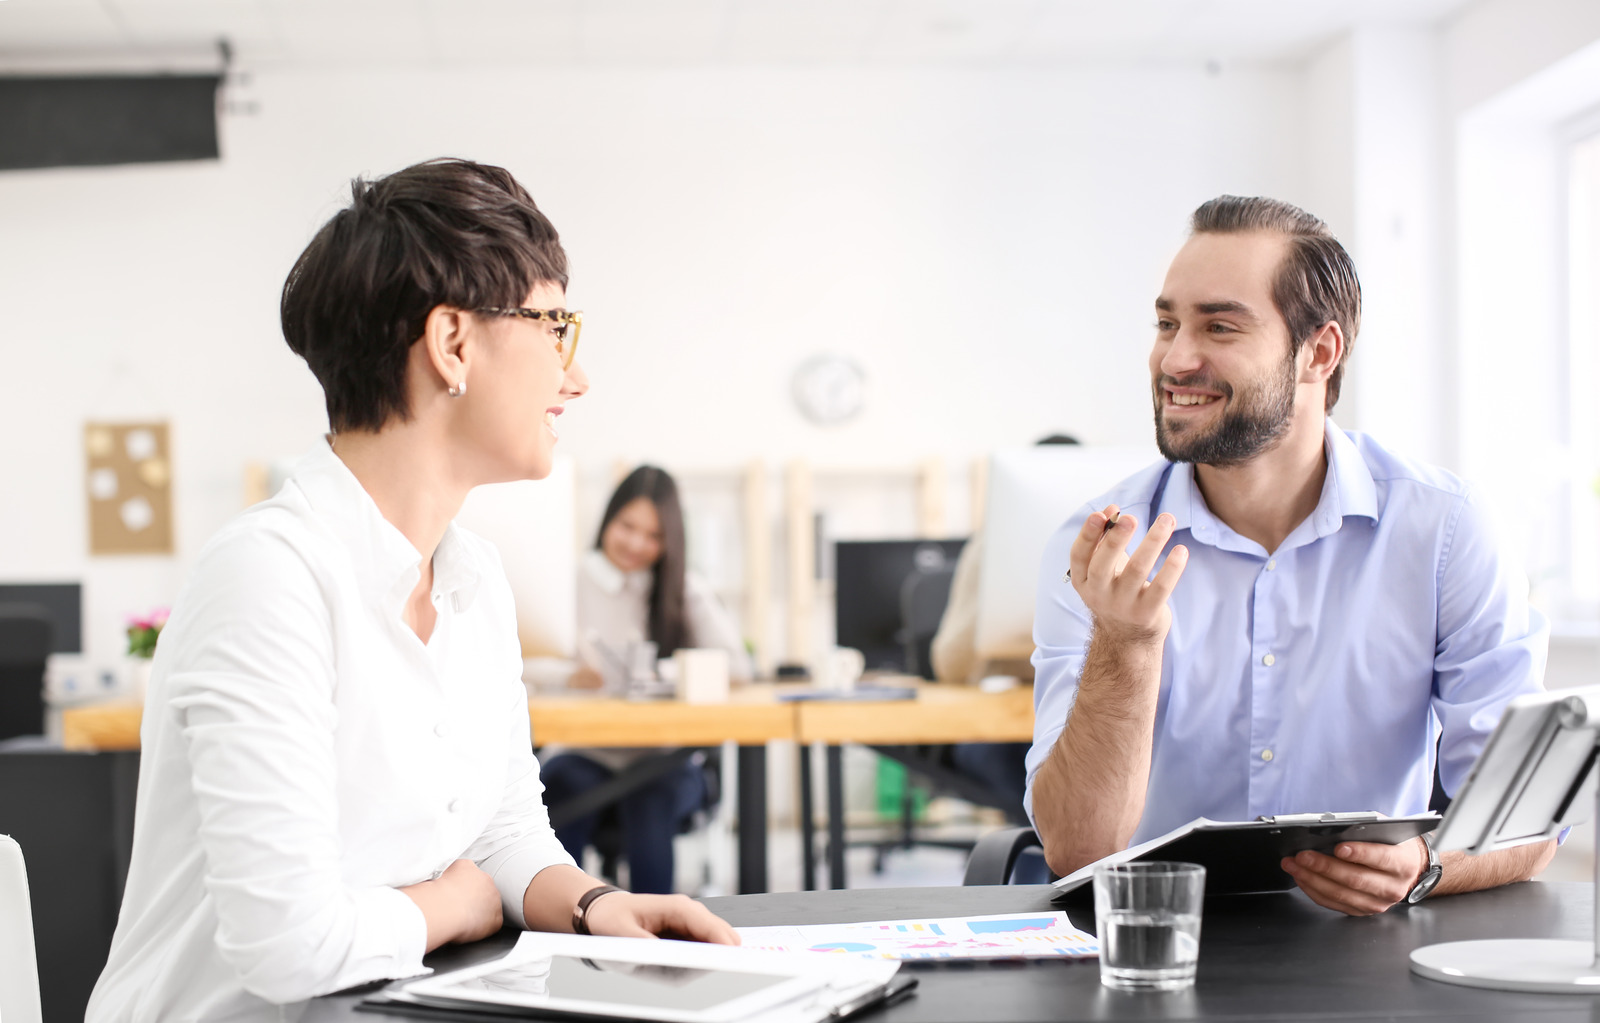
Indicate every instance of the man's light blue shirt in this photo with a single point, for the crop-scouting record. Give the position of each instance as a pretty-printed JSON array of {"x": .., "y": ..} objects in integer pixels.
[{"x": 1316, "y": 677}]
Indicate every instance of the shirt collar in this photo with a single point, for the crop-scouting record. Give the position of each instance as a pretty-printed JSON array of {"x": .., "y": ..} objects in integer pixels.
[
  {"x": 609, "y": 578},
  {"x": 386, "y": 564},
  {"x": 1347, "y": 490}
]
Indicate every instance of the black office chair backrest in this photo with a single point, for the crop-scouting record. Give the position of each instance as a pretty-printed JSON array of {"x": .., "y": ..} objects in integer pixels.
[
  {"x": 923, "y": 597},
  {"x": 25, "y": 636}
]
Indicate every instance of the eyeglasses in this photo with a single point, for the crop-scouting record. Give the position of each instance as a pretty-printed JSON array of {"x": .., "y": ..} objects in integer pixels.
[{"x": 564, "y": 326}]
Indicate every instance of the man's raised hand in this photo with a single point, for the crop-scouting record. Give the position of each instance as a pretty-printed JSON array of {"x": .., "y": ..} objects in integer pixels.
[{"x": 1127, "y": 604}]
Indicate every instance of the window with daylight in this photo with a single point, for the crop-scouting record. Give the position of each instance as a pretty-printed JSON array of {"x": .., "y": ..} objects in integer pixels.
[{"x": 1582, "y": 489}]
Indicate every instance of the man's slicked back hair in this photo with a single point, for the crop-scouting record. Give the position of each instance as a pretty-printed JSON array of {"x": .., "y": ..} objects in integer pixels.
[
  {"x": 444, "y": 232},
  {"x": 1317, "y": 281}
]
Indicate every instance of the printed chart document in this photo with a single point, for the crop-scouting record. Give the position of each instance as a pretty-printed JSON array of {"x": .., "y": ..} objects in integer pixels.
[
  {"x": 1008, "y": 936},
  {"x": 1243, "y": 856}
]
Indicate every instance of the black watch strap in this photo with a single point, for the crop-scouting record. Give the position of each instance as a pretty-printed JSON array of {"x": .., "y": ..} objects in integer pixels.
[{"x": 580, "y": 912}]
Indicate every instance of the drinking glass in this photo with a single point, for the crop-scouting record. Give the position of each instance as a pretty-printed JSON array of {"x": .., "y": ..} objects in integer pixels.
[{"x": 1148, "y": 919}]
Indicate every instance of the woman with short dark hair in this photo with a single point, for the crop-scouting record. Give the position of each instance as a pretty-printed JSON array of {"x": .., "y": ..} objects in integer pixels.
[{"x": 337, "y": 773}]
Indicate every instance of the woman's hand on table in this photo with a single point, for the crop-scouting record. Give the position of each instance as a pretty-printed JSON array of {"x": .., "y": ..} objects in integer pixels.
[
  {"x": 460, "y": 905},
  {"x": 626, "y": 915}
]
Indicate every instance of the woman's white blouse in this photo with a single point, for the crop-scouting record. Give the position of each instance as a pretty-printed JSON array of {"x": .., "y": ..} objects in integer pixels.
[
  {"x": 614, "y": 606},
  {"x": 305, "y": 755}
]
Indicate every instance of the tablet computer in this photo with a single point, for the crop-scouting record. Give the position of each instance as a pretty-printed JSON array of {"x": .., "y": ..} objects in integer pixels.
[
  {"x": 621, "y": 978},
  {"x": 1535, "y": 776}
]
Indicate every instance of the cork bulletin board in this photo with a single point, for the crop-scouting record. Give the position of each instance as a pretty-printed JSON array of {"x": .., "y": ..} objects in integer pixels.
[{"x": 129, "y": 482}]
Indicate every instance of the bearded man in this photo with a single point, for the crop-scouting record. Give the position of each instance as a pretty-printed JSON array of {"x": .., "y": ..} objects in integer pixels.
[{"x": 1282, "y": 617}]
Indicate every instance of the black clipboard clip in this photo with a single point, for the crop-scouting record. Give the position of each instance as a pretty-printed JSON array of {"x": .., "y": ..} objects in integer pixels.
[{"x": 1355, "y": 817}]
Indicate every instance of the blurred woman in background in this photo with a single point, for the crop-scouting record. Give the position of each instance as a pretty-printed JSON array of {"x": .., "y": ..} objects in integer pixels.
[{"x": 633, "y": 588}]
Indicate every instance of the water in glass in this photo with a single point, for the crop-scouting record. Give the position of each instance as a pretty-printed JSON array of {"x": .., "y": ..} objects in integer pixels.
[{"x": 1149, "y": 950}]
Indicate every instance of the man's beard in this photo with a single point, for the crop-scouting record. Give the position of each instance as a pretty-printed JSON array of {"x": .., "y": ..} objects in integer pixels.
[{"x": 1259, "y": 420}]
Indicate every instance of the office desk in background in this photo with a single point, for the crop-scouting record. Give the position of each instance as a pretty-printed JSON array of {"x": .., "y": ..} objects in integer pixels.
[
  {"x": 752, "y": 717},
  {"x": 940, "y": 715},
  {"x": 1262, "y": 957}
]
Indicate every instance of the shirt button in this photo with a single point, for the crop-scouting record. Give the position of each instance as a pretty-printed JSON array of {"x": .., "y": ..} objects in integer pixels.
[
  {"x": 1272, "y": 563},
  {"x": 1267, "y": 660},
  {"x": 453, "y": 806},
  {"x": 441, "y": 729},
  {"x": 1266, "y": 754}
]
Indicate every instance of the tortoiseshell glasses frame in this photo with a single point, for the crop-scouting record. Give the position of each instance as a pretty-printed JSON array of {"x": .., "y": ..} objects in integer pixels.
[{"x": 568, "y": 325}]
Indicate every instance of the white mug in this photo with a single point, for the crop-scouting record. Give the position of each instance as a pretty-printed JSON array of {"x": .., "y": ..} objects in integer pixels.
[
  {"x": 702, "y": 675},
  {"x": 840, "y": 668}
]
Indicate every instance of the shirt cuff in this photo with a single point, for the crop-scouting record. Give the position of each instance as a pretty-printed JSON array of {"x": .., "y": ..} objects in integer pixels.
[
  {"x": 390, "y": 911},
  {"x": 515, "y": 870}
]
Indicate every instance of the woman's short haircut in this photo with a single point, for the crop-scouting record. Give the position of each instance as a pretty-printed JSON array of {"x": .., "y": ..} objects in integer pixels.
[
  {"x": 444, "y": 232},
  {"x": 1317, "y": 282}
]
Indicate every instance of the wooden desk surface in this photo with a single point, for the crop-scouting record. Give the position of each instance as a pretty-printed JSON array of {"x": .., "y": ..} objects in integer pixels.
[
  {"x": 939, "y": 714},
  {"x": 106, "y": 727},
  {"x": 752, "y": 716}
]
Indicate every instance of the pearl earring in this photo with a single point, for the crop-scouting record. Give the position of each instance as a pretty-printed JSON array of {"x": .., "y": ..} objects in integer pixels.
[{"x": 457, "y": 390}]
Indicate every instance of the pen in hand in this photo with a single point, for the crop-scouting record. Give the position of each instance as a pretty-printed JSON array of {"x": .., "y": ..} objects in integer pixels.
[{"x": 1109, "y": 523}]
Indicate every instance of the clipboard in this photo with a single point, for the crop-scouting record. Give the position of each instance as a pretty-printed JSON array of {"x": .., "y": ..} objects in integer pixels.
[{"x": 1242, "y": 857}]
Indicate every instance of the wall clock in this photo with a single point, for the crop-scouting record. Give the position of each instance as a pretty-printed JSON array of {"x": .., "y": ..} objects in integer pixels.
[{"x": 829, "y": 389}]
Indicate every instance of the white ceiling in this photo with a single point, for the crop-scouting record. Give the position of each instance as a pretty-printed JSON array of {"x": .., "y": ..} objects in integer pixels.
[{"x": 268, "y": 33}]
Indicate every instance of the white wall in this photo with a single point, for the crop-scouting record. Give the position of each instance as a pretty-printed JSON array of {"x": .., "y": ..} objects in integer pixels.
[
  {"x": 1374, "y": 142},
  {"x": 986, "y": 243}
]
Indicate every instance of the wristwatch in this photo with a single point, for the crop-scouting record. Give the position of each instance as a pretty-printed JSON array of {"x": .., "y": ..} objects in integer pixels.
[
  {"x": 580, "y": 913},
  {"x": 1430, "y": 876}
]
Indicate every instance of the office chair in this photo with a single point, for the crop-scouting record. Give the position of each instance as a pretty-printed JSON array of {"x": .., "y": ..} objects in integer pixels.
[
  {"x": 73, "y": 813},
  {"x": 607, "y": 838},
  {"x": 996, "y": 854},
  {"x": 19, "y": 971},
  {"x": 923, "y": 597},
  {"x": 25, "y": 637}
]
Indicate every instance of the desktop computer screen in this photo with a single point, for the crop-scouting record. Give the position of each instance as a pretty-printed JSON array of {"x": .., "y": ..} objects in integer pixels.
[
  {"x": 868, "y": 576},
  {"x": 61, "y": 603},
  {"x": 1032, "y": 491}
]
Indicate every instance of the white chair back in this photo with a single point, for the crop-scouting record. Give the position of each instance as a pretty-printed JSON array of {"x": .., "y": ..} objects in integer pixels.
[{"x": 19, "y": 970}]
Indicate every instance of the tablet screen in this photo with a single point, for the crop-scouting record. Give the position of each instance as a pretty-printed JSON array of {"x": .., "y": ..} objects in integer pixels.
[{"x": 617, "y": 983}]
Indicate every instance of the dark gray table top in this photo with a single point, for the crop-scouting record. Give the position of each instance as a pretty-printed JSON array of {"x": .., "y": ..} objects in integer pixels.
[{"x": 1262, "y": 957}]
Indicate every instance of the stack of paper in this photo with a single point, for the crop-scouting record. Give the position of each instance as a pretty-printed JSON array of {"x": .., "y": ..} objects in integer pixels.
[{"x": 1008, "y": 936}]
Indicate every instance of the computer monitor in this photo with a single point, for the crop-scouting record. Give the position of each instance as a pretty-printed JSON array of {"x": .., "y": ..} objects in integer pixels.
[
  {"x": 532, "y": 523},
  {"x": 1535, "y": 777},
  {"x": 61, "y": 603},
  {"x": 1032, "y": 491},
  {"x": 868, "y": 577}
]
